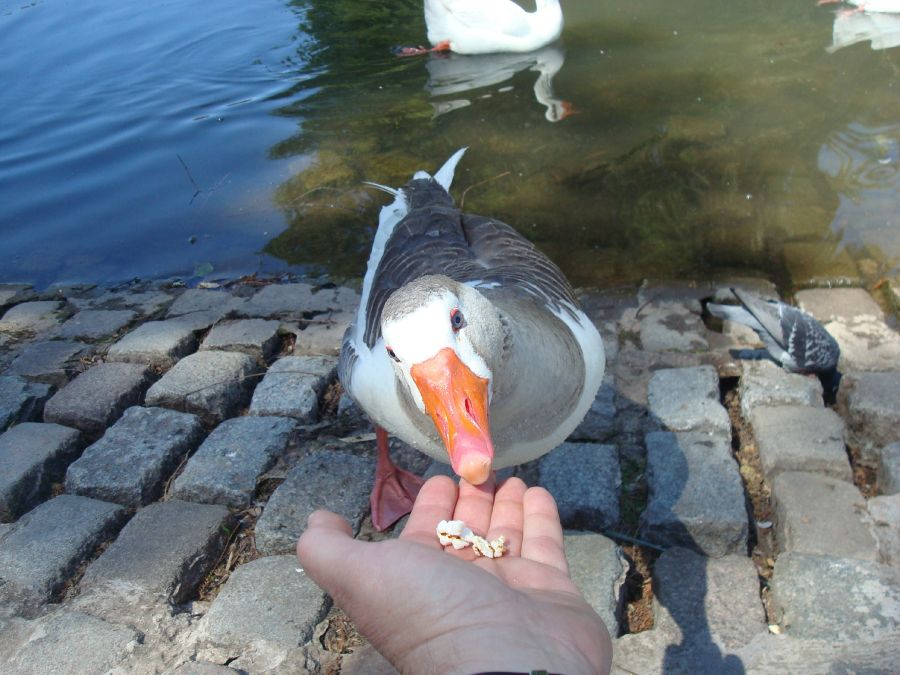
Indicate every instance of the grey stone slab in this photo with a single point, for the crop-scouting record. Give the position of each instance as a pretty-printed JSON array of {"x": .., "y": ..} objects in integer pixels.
[
  {"x": 700, "y": 600},
  {"x": 584, "y": 478},
  {"x": 765, "y": 384},
  {"x": 800, "y": 438},
  {"x": 292, "y": 301},
  {"x": 687, "y": 399},
  {"x": 129, "y": 464},
  {"x": 599, "y": 424},
  {"x": 32, "y": 317},
  {"x": 257, "y": 337},
  {"x": 155, "y": 343},
  {"x": 11, "y": 294},
  {"x": 821, "y": 515},
  {"x": 866, "y": 344},
  {"x": 366, "y": 660},
  {"x": 884, "y": 520},
  {"x": 204, "y": 668},
  {"x": 778, "y": 654},
  {"x": 42, "y": 549},
  {"x": 870, "y": 403},
  {"x": 21, "y": 400},
  {"x": 323, "y": 335},
  {"x": 91, "y": 325},
  {"x": 672, "y": 325},
  {"x": 97, "y": 397},
  {"x": 73, "y": 642},
  {"x": 267, "y": 599},
  {"x": 292, "y": 387},
  {"x": 889, "y": 469},
  {"x": 212, "y": 384},
  {"x": 167, "y": 548},
  {"x": 696, "y": 497},
  {"x": 830, "y": 304},
  {"x": 52, "y": 362},
  {"x": 598, "y": 568},
  {"x": 32, "y": 457},
  {"x": 832, "y": 598},
  {"x": 225, "y": 468},
  {"x": 325, "y": 480},
  {"x": 193, "y": 300}
]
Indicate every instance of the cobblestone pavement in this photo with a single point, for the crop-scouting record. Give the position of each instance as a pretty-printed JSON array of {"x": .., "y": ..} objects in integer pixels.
[{"x": 161, "y": 448}]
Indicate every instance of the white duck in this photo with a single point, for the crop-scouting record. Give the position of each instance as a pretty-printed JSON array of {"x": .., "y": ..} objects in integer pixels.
[
  {"x": 469, "y": 344},
  {"x": 485, "y": 26}
]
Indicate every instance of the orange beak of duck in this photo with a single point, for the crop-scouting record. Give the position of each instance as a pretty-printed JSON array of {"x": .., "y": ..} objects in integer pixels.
[{"x": 456, "y": 399}]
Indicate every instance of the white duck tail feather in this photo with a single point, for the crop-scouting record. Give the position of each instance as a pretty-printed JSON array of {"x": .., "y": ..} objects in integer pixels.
[{"x": 444, "y": 175}]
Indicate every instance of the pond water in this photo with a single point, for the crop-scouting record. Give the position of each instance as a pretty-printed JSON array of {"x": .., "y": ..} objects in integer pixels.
[{"x": 206, "y": 140}]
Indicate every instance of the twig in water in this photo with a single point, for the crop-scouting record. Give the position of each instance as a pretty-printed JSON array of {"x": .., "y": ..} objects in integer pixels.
[
  {"x": 462, "y": 200},
  {"x": 190, "y": 177}
]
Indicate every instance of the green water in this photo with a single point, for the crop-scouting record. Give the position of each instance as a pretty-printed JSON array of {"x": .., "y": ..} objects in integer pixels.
[{"x": 709, "y": 139}]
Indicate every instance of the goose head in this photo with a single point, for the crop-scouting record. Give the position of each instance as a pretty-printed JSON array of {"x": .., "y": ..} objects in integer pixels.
[{"x": 445, "y": 340}]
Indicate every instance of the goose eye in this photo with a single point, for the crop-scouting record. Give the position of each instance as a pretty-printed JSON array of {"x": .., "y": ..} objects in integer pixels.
[
  {"x": 457, "y": 320},
  {"x": 393, "y": 356}
]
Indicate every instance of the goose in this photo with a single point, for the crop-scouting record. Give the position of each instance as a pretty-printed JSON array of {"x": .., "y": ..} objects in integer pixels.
[
  {"x": 469, "y": 343},
  {"x": 486, "y": 26},
  {"x": 793, "y": 338}
]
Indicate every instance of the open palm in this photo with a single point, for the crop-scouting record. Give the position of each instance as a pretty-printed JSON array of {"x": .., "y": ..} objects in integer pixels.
[{"x": 430, "y": 609}]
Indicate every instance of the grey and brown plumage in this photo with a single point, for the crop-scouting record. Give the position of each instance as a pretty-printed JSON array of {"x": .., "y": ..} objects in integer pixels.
[
  {"x": 469, "y": 343},
  {"x": 793, "y": 338}
]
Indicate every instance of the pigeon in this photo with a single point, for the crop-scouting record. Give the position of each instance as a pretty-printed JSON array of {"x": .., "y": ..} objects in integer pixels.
[{"x": 793, "y": 338}]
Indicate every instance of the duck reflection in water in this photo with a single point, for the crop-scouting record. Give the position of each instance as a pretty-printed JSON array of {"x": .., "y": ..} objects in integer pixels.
[{"x": 451, "y": 74}]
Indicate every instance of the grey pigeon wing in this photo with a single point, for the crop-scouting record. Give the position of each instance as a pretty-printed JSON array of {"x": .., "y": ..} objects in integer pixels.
[
  {"x": 812, "y": 348},
  {"x": 768, "y": 314}
]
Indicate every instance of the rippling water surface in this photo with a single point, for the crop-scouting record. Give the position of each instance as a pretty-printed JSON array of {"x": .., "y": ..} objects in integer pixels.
[{"x": 689, "y": 139}]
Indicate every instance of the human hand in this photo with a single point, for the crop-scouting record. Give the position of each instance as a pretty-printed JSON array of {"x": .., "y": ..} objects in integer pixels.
[{"x": 433, "y": 610}]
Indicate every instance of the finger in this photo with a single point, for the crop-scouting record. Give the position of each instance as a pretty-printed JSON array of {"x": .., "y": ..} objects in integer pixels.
[
  {"x": 324, "y": 547},
  {"x": 475, "y": 504},
  {"x": 542, "y": 539},
  {"x": 508, "y": 516},
  {"x": 435, "y": 502}
]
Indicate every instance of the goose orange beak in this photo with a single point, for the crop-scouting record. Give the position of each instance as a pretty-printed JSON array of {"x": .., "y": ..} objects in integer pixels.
[{"x": 456, "y": 399}]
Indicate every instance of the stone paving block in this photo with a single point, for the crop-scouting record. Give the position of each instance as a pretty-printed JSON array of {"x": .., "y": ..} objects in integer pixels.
[
  {"x": 366, "y": 660},
  {"x": 167, "y": 548},
  {"x": 43, "y": 548},
  {"x": 129, "y": 464},
  {"x": 193, "y": 300},
  {"x": 696, "y": 497},
  {"x": 588, "y": 499},
  {"x": 21, "y": 400},
  {"x": 800, "y": 438},
  {"x": 839, "y": 599},
  {"x": 257, "y": 337},
  {"x": 701, "y": 600},
  {"x": 155, "y": 343},
  {"x": 52, "y": 362},
  {"x": 634, "y": 368},
  {"x": 323, "y": 335},
  {"x": 598, "y": 568},
  {"x": 884, "y": 518},
  {"x": 821, "y": 515},
  {"x": 889, "y": 469},
  {"x": 866, "y": 344},
  {"x": 292, "y": 387},
  {"x": 672, "y": 326},
  {"x": 687, "y": 399},
  {"x": 870, "y": 403},
  {"x": 204, "y": 668},
  {"x": 599, "y": 424},
  {"x": 11, "y": 294},
  {"x": 841, "y": 304},
  {"x": 32, "y": 317},
  {"x": 225, "y": 468},
  {"x": 32, "y": 457},
  {"x": 777, "y": 654},
  {"x": 292, "y": 301},
  {"x": 765, "y": 384},
  {"x": 91, "y": 325},
  {"x": 97, "y": 397},
  {"x": 212, "y": 384},
  {"x": 324, "y": 480},
  {"x": 270, "y": 599},
  {"x": 73, "y": 642}
]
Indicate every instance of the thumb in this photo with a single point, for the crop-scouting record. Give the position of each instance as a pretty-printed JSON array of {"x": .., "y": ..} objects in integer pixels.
[{"x": 324, "y": 546}]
